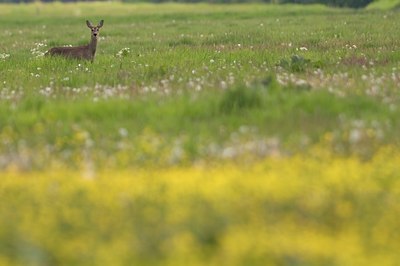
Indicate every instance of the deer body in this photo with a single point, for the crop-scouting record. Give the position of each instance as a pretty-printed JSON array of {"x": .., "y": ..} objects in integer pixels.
[{"x": 86, "y": 52}]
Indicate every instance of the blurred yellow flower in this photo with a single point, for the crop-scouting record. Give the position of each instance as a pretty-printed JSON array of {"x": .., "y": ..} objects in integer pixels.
[{"x": 311, "y": 209}]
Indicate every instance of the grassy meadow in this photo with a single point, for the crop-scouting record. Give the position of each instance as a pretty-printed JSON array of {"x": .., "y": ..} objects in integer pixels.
[{"x": 201, "y": 135}]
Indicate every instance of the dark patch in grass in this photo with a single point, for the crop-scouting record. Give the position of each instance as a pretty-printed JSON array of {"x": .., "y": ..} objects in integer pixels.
[
  {"x": 298, "y": 88},
  {"x": 240, "y": 98},
  {"x": 183, "y": 41},
  {"x": 154, "y": 72},
  {"x": 296, "y": 63},
  {"x": 355, "y": 60}
]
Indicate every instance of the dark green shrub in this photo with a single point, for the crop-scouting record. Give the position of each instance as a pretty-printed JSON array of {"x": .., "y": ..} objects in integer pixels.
[
  {"x": 240, "y": 98},
  {"x": 296, "y": 63}
]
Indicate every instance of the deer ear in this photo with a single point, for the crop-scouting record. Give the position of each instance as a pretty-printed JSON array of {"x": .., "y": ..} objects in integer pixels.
[
  {"x": 89, "y": 24},
  {"x": 100, "y": 24}
]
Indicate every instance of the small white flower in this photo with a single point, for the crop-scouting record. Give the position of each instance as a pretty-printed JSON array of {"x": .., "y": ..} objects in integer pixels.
[
  {"x": 123, "y": 52},
  {"x": 355, "y": 136},
  {"x": 303, "y": 48},
  {"x": 123, "y": 132},
  {"x": 223, "y": 85}
]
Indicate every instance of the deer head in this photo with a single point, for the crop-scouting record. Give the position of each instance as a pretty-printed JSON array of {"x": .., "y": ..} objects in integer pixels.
[{"x": 95, "y": 29}]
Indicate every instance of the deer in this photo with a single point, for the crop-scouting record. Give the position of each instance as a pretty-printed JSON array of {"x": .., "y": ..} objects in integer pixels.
[{"x": 85, "y": 52}]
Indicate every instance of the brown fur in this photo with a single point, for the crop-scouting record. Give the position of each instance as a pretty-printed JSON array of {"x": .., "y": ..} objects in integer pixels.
[{"x": 85, "y": 52}]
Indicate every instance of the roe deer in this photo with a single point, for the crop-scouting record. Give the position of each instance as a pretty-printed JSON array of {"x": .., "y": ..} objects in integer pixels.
[{"x": 86, "y": 52}]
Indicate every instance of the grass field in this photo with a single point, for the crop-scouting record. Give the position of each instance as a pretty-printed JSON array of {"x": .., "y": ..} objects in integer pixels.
[
  {"x": 177, "y": 83},
  {"x": 201, "y": 135}
]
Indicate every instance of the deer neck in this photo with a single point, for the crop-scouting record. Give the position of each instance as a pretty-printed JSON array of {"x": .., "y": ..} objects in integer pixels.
[{"x": 93, "y": 45}]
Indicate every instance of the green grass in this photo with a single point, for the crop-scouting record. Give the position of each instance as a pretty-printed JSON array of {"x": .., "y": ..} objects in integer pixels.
[
  {"x": 384, "y": 4},
  {"x": 197, "y": 82}
]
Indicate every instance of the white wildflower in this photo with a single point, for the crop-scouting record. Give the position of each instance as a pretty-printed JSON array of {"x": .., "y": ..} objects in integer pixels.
[
  {"x": 4, "y": 56},
  {"x": 123, "y": 132},
  {"x": 123, "y": 52}
]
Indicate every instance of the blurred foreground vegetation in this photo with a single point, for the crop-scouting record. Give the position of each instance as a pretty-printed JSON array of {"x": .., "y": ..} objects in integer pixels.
[{"x": 311, "y": 209}]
